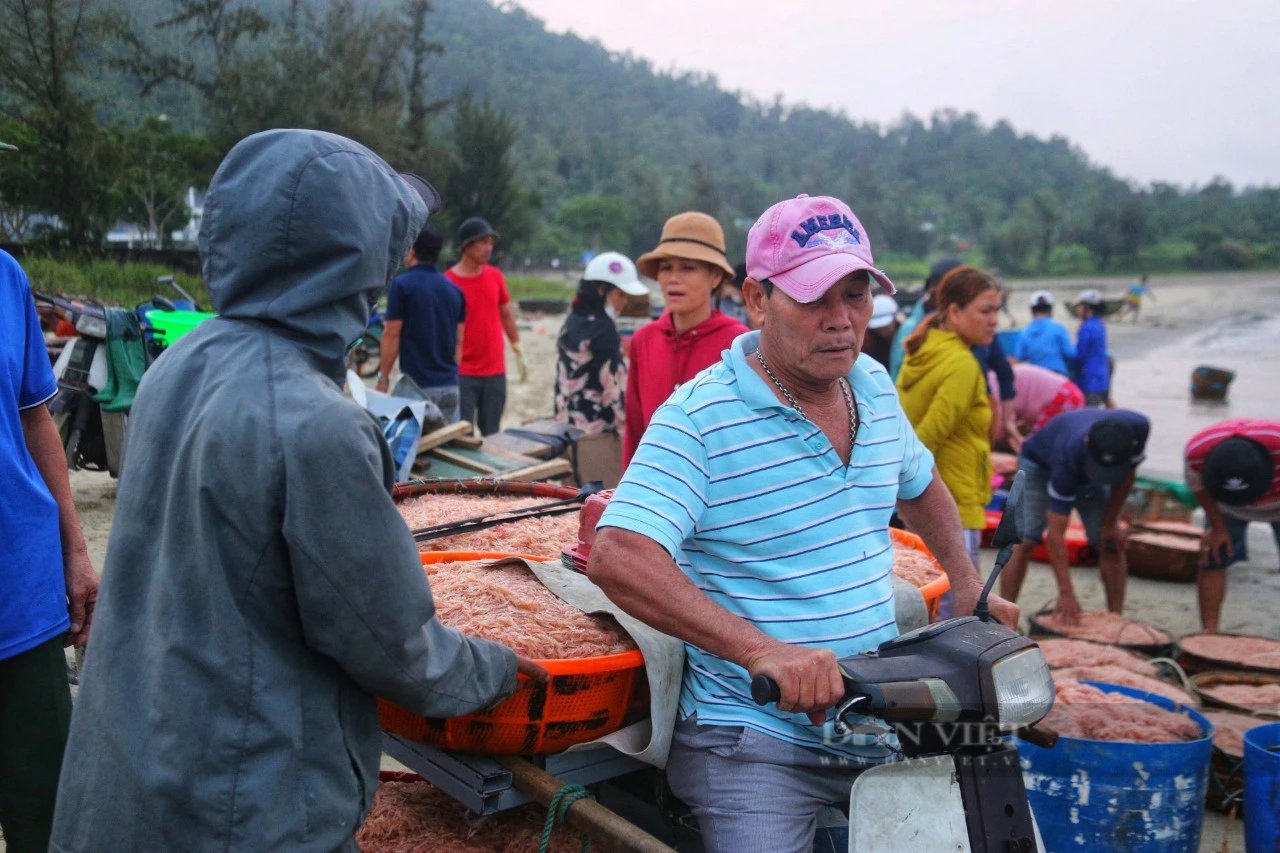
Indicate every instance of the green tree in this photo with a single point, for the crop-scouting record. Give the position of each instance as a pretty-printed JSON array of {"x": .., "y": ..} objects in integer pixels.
[
  {"x": 421, "y": 50},
  {"x": 41, "y": 76},
  {"x": 159, "y": 165},
  {"x": 596, "y": 222},
  {"x": 482, "y": 175}
]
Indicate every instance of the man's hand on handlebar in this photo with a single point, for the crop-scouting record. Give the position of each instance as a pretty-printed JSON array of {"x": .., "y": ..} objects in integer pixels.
[
  {"x": 808, "y": 679},
  {"x": 965, "y": 596}
]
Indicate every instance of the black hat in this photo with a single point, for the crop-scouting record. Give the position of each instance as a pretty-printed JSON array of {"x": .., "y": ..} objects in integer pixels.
[
  {"x": 1238, "y": 471},
  {"x": 1110, "y": 458},
  {"x": 473, "y": 229},
  {"x": 424, "y": 189},
  {"x": 940, "y": 269}
]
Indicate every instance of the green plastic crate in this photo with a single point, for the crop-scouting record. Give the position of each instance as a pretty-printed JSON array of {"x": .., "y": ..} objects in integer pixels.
[{"x": 169, "y": 326}]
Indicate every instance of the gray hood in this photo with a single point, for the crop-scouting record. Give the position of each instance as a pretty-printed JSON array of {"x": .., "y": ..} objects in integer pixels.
[{"x": 288, "y": 222}]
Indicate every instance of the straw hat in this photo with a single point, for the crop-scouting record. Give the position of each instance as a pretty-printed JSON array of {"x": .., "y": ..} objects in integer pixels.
[{"x": 690, "y": 235}]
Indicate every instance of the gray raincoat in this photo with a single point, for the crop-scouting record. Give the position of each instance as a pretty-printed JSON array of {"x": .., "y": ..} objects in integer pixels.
[{"x": 260, "y": 586}]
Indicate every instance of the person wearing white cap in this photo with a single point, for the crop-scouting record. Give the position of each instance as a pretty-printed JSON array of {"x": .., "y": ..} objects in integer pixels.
[
  {"x": 752, "y": 523},
  {"x": 1093, "y": 364},
  {"x": 590, "y": 372},
  {"x": 881, "y": 328},
  {"x": 1045, "y": 342}
]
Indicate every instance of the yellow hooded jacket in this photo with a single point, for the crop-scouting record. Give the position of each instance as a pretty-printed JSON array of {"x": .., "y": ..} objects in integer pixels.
[{"x": 944, "y": 395}]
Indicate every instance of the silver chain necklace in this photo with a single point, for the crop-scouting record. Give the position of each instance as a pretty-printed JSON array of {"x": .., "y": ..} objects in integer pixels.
[{"x": 854, "y": 420}]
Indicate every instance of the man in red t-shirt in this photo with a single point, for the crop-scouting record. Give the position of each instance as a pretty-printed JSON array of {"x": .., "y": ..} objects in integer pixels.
[
  {"x": 1233, "y": 467},
  {"x": 482, "y": 374}
]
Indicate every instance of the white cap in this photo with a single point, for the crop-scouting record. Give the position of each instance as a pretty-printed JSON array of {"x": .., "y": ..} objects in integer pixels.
[
  {"x": 883, "y": 312},
  {"x": 1090, "y": 297},
  {"x": 616, "y": 269},
  {"x": 1041, "y": 297}
]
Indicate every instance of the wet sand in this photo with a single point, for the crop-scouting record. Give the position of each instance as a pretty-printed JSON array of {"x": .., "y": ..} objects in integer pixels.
[{"x": 1230, "y": 321}]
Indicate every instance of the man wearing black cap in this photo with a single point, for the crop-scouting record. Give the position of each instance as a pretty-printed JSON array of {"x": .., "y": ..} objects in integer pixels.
[
  {"x": 1232, "y": 469},
  {"x": 1083, "y": 460},
  {"x": 482, "y": 375}
]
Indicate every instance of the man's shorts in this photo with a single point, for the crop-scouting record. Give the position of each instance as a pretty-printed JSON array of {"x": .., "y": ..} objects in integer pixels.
[
  {"x": 1238, "y": 529},
  {"x": 1090, "y": 503}
]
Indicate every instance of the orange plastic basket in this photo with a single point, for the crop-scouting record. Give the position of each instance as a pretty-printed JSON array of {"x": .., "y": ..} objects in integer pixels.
[
  {"x": 933, "y": 590},
  {"x": 584, "y": 698}
]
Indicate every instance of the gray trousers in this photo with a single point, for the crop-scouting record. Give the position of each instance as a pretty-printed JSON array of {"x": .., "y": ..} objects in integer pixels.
[
  {"x": 753, "y": 792},
  {"x": 483, "y": 399}
]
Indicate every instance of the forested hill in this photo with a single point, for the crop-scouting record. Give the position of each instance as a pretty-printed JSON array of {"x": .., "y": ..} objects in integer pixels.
[
  {"x": 601, "y": 123},
  {"x": 569, "y": 147}
]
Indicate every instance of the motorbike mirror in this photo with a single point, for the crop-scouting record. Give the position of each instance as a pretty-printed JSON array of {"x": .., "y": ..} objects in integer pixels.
[{"x": 1007, "y": 531}]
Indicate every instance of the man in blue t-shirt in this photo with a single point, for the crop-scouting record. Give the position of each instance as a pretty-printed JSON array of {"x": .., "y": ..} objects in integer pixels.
[
  {"x": 1045, "y": 342},
  {"x": 1084, "y": 460},
  {"x": 43, "y": 563},
  {"x": 425, "y": 315},
  {"x": 1093, "y": 363}
]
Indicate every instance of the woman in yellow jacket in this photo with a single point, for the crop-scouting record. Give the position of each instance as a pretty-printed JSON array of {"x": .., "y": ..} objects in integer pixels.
[{"x": 944, "y": 391}]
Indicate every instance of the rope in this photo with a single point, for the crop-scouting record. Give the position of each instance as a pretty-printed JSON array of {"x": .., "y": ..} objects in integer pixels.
[{"x": 556, "y": 811}]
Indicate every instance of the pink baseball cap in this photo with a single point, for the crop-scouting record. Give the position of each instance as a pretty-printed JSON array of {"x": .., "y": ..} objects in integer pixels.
[{"x": 808, "y": 243}]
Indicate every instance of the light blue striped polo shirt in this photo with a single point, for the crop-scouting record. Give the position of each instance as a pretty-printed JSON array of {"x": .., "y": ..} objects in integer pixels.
[{"x": 755, "y": 506}]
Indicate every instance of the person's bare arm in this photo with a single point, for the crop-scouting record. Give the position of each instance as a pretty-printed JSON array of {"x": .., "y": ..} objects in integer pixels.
[
  {"x": 389, "y": 349},
  {"x": 1112, "y": 534},
  {"x": 45, "y": 446},
  {"x": 457, "y": 351},
  {"x": 640, "y": 577},
  {"x": 508, "y": 318},
  {"x": 1217, "y": 539},
  {"x": 934, "y": 516}
]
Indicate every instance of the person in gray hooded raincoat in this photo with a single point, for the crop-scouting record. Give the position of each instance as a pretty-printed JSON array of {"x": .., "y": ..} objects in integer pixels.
[{"x": 260, "y": 587}]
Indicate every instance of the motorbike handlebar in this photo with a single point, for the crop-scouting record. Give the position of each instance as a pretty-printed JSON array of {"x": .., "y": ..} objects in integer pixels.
[{"x": 765, "y": 690}]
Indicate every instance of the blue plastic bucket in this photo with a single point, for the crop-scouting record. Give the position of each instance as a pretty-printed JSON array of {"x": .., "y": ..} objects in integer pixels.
[
  {"x": 1262, "y": 789},
  {"x": 1109, "y": 795}
]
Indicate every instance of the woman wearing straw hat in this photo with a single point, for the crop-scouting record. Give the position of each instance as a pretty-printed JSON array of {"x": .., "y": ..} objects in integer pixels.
[{"x": 689, "y": 263}]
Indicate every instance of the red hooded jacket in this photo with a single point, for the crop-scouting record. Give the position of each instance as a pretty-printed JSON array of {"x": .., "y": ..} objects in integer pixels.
[{"x": 663, "y": 359}]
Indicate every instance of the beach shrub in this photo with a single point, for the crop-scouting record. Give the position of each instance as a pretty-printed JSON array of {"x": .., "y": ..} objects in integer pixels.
[{"x": 1074, "y": 259}]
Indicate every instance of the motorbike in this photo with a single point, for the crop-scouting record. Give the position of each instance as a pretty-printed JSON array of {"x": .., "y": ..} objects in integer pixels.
[
  {"x": 954, "y": 691},
  {"x": 91, "y": 438},
  {"x": 365, "y": 355}
]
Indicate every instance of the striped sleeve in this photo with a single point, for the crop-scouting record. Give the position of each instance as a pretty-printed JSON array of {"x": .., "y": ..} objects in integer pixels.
[
  {"x": 663, "y": 493},
  {"x": 916, "y": 472}
]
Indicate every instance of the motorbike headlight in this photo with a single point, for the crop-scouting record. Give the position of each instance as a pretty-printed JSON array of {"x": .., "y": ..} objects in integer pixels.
[
  {"x": 94, "y": 327},
  {"x": 1024, "y": 688}
]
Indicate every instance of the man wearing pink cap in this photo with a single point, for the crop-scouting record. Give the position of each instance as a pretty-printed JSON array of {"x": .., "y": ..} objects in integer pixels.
[{"x": 753, "y": 524}]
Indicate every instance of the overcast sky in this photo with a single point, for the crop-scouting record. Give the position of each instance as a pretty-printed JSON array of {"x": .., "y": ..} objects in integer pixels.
[{"x": 1171, "y": 90}]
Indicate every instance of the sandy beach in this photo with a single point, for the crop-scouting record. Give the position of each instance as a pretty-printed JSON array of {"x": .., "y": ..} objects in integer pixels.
[{"x": 1230, "y": 321}]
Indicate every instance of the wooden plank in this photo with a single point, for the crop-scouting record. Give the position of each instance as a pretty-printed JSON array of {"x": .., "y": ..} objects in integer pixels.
[
  {"x": 470, "y": 442},
  {"x": 470, "y": 461},
  {"x": 542, "y": 471},
  {"x": 444, "y": 435}
]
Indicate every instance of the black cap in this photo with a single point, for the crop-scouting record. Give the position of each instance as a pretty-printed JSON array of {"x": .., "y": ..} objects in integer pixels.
[
  {"x": 425, "y": 190},
  {"x": 939, "y": 269},
  {"x": 473, "y": 229},
  {"x": 1238, "y": 471},
  {"x": 1110, "y": 458}
]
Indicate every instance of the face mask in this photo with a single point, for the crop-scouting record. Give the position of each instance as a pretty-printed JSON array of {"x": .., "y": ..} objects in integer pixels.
[{"x": 611, "y": 312}]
